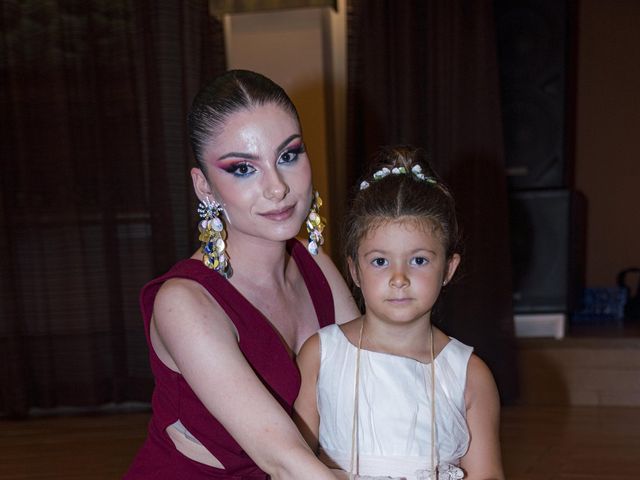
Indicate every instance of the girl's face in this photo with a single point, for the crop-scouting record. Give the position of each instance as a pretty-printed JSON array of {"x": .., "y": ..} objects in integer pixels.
[
  {"x": 257, "y": 168},
  {"x": 400, "y": 269}
]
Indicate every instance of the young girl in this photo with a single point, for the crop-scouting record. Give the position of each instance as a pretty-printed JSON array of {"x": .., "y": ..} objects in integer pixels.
[{"x": 388, "y": 395}]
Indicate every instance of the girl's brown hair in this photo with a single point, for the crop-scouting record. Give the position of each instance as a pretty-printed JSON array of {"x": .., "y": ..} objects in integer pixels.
[{"x": 426, "y": 200}]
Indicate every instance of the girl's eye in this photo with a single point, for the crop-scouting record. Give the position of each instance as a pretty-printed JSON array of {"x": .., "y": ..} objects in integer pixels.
[
  {"x": 240, "y": 169},
  {"x": 290, "y": 156},
  {"x": 379, "y": 262},
  {"x": 419, "y": 261}
]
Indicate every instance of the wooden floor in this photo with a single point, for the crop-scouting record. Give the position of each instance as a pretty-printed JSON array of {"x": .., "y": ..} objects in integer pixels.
[{"x": 539, "y": 443}]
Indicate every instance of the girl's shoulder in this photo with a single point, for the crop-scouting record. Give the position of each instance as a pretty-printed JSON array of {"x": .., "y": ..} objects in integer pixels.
[
  {"x": 336, "y": 339},
  {"x": 455, "y": 357},
  {"x": 456, "y": 347},
  {"x": 480, "y": 385},
  {"x": 331, "y": 333},
  {"x": 348, "y": 331}
]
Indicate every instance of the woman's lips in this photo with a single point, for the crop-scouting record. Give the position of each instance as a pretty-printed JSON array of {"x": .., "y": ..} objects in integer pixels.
[{"x": 279, "y": 214}]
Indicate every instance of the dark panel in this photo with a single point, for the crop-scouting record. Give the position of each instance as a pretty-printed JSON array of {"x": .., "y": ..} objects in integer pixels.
[
  {"x": 548, "y": 249},
  {"x": 532, "y": 39}
]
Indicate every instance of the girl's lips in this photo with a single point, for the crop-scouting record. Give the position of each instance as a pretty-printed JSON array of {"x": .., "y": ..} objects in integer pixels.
[{"x": 280, "y": 214}]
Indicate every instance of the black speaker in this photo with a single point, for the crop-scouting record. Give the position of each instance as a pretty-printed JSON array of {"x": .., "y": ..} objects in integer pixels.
[
  {"x": 547, "y": 249},
  {"x": 532, "y": 41}
]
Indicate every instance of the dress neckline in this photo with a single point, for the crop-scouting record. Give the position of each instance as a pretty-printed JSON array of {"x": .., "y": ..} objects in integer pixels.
[
  {"x": 392, "y": 355},
  {"x": 297, "y": 251}
]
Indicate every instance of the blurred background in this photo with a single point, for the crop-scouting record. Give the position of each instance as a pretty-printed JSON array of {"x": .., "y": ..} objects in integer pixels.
[{"x": 525, "y": 108}]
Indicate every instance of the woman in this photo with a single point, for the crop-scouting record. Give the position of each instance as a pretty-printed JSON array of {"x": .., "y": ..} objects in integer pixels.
[{"x": 224, "y": 326}]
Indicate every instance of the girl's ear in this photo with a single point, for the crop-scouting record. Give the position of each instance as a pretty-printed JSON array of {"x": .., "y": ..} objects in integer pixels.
[
  {"x": 353, "y": 270},
  {"x": 452, "y": 266},
  {"x": 201, "y": 184}
]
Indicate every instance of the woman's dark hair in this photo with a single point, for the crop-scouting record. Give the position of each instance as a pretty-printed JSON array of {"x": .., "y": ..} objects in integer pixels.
[
  {"x": 232, "y": 91},
  {"x": 396, "y": 196}
]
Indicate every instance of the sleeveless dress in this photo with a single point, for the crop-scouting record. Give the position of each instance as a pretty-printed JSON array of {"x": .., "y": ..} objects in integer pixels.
[
  {"x": 394, "y": 412},
  {"x": 173, "y": 400}
]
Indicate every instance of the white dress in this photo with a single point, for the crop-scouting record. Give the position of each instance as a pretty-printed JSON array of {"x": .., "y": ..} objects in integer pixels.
[{"x": 394, "y": 413}]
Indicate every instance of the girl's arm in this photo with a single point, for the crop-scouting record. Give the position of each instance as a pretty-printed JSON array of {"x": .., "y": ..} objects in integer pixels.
[
  {"x": 483, "y": 459},
  {"x": 306, "y": 406},
  {"x": 193, "y": 335}
]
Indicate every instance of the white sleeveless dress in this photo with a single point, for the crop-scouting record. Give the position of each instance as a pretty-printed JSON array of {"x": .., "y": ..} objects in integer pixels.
[{"x": 394, "y": 425}]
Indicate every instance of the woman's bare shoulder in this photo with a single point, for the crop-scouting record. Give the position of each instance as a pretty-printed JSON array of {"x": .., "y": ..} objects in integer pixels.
[
  {"x": 345, "y": 306},
  {"x": 183, "y": 303}
]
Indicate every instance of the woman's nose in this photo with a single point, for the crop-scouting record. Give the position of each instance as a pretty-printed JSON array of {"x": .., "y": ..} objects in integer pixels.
[{"x": 276, "y": 188}]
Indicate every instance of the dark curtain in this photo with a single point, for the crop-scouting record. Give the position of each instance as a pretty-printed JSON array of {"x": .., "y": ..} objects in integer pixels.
[
  {"x": 96, "y": 195},
  {"x": 425, "y": 73}
]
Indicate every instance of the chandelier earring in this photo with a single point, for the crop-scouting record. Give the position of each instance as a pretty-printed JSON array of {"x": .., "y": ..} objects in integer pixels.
[
  {"x": 212, "y": 237},
  {"x": 315, "y": 224}
]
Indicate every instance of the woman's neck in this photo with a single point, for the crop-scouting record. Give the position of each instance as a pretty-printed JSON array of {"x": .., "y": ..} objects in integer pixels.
[{"x": 258, "y": 262}]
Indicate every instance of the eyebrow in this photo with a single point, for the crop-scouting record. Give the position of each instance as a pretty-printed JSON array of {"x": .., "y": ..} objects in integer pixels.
[
  {"x": 249, "y": 156},
  {"x": 287, "y": 140},
  {"x": 384, "y": 252}
]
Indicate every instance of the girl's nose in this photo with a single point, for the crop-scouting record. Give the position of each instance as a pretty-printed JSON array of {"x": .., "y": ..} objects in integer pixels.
[{"x": 399, "y": 279}]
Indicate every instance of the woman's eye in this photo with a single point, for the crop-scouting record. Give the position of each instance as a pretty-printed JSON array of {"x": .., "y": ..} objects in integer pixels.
[
  {"x": 241, "y": 169},
  {"x": 379, "y": 262},
  {"x": 291, "y": 156},
  {"x": 419, "y": 261}
]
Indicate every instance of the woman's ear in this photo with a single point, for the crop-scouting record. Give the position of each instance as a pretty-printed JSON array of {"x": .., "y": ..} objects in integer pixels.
[
  {"x": 353, "y": 271},
  {"x": 201, "y": 184},
  {"x": 452, "y": 266}
]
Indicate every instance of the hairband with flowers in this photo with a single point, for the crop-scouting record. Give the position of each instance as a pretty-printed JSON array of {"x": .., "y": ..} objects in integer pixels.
[{"x": 416, "y": 170}]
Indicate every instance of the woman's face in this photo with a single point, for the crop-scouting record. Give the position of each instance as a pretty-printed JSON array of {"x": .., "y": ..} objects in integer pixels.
[{"x": 258, "y": 169}]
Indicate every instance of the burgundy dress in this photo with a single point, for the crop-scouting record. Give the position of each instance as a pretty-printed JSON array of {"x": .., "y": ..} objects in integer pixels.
[{"x": 261, "y": 345}]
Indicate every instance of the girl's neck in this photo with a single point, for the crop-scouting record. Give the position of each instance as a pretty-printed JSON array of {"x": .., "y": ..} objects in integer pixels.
[{"x": 405, "y": 339}]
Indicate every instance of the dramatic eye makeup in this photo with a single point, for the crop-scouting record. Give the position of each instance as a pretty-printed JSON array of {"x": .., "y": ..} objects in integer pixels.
[
  {"x": 240, "y": 164},
  {"x": 290, "y": 154},
  {"x": 238, "y": 168}
]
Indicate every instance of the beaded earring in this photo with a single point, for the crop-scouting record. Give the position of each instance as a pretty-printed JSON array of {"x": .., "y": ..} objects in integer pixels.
[
  {"x": 315, "y": 224},
  {"x": 212, "y": 236}
]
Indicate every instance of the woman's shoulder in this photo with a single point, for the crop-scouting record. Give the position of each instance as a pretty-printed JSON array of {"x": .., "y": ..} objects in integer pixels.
[
  {"x": 345, "y": 306},
  {"x": 184, "y": 299}
]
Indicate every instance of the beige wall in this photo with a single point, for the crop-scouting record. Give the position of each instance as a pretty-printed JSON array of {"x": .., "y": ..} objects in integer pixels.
[
  {"x": 608, "y": 134},
  {"x": 295, "y": 49}
]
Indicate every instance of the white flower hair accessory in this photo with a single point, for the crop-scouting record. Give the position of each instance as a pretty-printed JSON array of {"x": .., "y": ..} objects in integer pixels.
[{"x": 416, "y": 171}]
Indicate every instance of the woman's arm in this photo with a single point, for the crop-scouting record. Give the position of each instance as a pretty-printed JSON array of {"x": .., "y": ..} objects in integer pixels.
[
  {"x": 305, "y": 407},
  {"x": 194, "y": 336},
  {"x": 483, "y": 459},
  {"x": 345, "y": 306}
]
